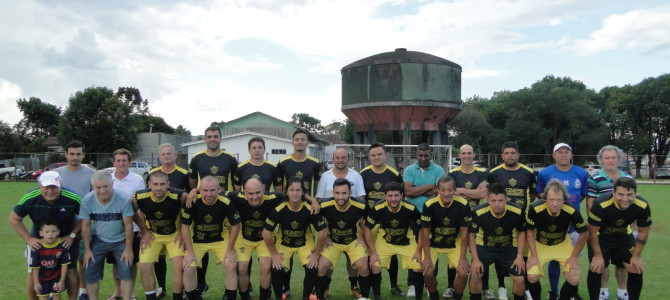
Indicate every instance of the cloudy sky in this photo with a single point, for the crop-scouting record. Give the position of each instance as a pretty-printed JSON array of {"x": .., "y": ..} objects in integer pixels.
[{"x": 202, "y": 61}]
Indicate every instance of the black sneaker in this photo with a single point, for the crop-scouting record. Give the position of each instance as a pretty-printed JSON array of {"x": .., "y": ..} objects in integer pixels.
[
  {"x": 553, "y": 295},
  {"x": 204, "y": 290},
  {"x": 396, "y": 291}
]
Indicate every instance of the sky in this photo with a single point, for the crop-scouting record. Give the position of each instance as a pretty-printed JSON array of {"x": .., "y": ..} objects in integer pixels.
[{"x": 203, "y": 61}]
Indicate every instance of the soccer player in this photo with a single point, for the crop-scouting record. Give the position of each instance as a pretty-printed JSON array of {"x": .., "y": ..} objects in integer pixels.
[
  {"x": 49, "y": 263},
  {"x": 519, "y": 183},
  {"x": 257, "y": 167},
  {"x": 159, "y": 206},
  {"x": 444, "y": 229},
  {"x": 294, "y": 219},
  {"x": 214, "y": 162},
  {"x": 575, "y": 181},
  {"x": 610, "y": 158},
  {"x": 375, "y": 177},
  {"x": 344, "y": 216},
  {"x": 497, "y": 235},
  {"x": 397, "y": 218},
  {"x": 38, "y": 206},
  {"x": 206, "y": 218},
  {"x": 420, "y": 184},
  {"x": 610, "y": 240},
  {"x": 549, "y": 225},
  {"x": 305, "y": 167},
  {"x": 107, "y": 228}
]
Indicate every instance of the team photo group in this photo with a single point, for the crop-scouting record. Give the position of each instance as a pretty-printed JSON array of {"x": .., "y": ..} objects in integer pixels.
[{"x": 508, "y": 221}]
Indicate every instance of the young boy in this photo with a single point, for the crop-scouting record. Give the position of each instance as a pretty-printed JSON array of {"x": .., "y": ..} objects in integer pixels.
[{"x": 49, "y": 263}]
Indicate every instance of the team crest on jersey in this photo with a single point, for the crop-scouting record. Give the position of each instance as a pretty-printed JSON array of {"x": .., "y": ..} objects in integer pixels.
[
  {"x": 552, "y": 228},
  {"x": 499, "y": 230},
  {"x": 201, "y": 236},
  {"x": 158, "y": 215},
  {"x": 578, "y": 184},
  {"x": 394, "y": 223},
  {"x": 58, "y": 254},
  {"x": 618, "y": 222},
  {"x": 437, "y": 238},
  {"x": 256, "y": 176},
  {"x": 468, "y": 185},
  {"x": 208, "y": 218},
  {"x": 256, "y": 214},
  {"x": 299, "y": 174},
  {"x": 446, "y": 221},
  {"x": 213, "y": 169},
  {"x": 378, "y": 185},
  {"x": 512, "y": 182},
  {"x": 295, "y": 225},
  {"x": 341, "y": 224}
]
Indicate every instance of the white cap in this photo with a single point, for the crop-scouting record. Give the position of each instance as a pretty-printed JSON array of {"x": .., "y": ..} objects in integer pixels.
[
  {"x": 562, "y": 145},
  {"x": 50, "y": 178}
]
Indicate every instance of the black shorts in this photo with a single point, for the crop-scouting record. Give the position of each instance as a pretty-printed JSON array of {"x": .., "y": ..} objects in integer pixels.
[
  {"x": 616, "y": 251},
  {"x": 502, "y": 257},
  {"x": 136, "y": 251}
]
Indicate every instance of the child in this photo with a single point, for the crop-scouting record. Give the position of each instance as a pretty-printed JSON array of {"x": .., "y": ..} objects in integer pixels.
[{"x": 49, "y": 263}]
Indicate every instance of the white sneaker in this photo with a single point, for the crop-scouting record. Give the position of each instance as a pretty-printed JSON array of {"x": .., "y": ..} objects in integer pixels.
[
  {"x": 528, "y": 296},
  {"x": 604, "y": 295},
  {"x": 488, "y": 294},
  {"x": 622, "y": 297},
  {"x": 410, "y": 291},
  {"x": 448, "y": 294},
  {"x": 502, "y": 293}
]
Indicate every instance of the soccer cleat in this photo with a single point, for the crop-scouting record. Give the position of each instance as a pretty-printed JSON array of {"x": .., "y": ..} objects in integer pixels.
[
  {"x": 83, "y": 296},
  {"x": 553, "y": 295},
  {"x": 356, "y": 292},
  {"x": 204, "y": 290},
  {"x": 160, "y": 293},
  {"x": 604, "y": 295},
  {"x": 488, "y": 294},
  {"x": 312, "y": 296},
  {"x": 448, "y": 294},
  {"x": 286, "y": 294},
  {"x": 502, "y": 293},
  {"x": 528, "y": 296},
  {"x": 411, "y": 292},
  {"x": 396, "y": 291}
]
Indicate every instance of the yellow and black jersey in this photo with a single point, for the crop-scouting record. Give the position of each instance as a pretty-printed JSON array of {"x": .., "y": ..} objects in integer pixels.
[
  {"x": 253, "y": 217},
  {"x": 309, "y": 170},
  {"x": 445, "y": 222},
  {"x": 374, "y": 182},
  {"x": 552, "y": 229},
  {"x": 398, "y": 226},
  {"x": 492, "y": 231},
  {"x": 161, "y": 214},
  {"x": 178, "y": 178},
  {"x": 207, "y": 220},
  {"x": 294, "y": 226},
  {"x": 519, "y": 182},
  {"x": 222, "y": 166},
  {"x": 267, "y": 173},
  {"x": 468, "y": 180},
  {"x": 343, "y": 223},
  {"x": 613, "y": 221}
]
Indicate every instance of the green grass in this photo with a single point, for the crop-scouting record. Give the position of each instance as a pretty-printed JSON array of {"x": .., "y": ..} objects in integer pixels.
[{"x": 655, "y": 257}]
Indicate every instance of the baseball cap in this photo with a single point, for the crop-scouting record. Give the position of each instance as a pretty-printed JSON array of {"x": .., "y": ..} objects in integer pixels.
[
  {"x": 50, "y": 178},
  {"x": 561, "y": 145}
]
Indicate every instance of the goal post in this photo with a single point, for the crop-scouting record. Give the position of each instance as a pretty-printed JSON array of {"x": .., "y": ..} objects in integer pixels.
[{"x": 397, "y": 156}]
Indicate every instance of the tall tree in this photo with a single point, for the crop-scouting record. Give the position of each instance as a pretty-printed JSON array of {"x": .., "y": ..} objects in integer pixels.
[
  {"x": 148, "y": 122},
  {"x": 40, "y": 119},
  {"x": 98, "y": 118},
  {"x": 9, "y": 140},
  {"x": 304, "y": 120},
  {"x": 132, "y": 97},
  {"x": 181, "y": 130}
]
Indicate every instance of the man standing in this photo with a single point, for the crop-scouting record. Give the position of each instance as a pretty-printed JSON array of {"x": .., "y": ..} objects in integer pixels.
[
  {"x": 549, "y": 224},
  {"x": 470, "y": 180},
  {"x": 375, "y": 177},
  {"x": 257, "y": 167},
  {"x": 50, "y": 201},
  {"x": 340, "y": 171},
  {"x": 399, "y": 220},
  {"x": 497, "y": 235},
  {"x": 420, "y": 184},
  {"x": 206, "y": 217},
  {"x": 159, "y": 206},
  {"x": 211, "y": 162},
  {"x": 344, "y": 216},
  {"x": 76, "y": 178},
  {"x": 107, "y": 228},
  {"x": 575, "y": 181},
  {"x": 609, "y": 238},
  {"x": 444, "y": 229},
  {"x": 610, "y": 158}
]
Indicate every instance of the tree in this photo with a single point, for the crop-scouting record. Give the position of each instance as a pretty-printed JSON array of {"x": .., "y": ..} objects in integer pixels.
[
  {"x": 40, "y": 119},
  {"x": 304, "y": 120},
  {"x": 9, "y": 140},
  {"x": 99, "y": 119},
  {"x": 181, "y": 130},
  {"x": 131, "y": 96},
  {"x": 471, "y": 127},
  {"x": 147, "y": 122}
]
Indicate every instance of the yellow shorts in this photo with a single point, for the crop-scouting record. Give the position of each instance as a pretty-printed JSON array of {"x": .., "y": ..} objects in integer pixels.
[
  {"x": 452, "y": 254},
  {"x": 545, "y": 254},
  {"x": 303, "y": 253},
  {"x": 219, "y": 249},
  {"x": 159, "y": 244},
  {"x": 354, "y": 250},
  {"x": 244, "y": 248},
  {"x": 386, "y": 250}
]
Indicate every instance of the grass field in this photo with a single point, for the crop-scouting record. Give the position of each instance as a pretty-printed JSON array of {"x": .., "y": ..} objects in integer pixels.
[{"x": 655, "y": 256}]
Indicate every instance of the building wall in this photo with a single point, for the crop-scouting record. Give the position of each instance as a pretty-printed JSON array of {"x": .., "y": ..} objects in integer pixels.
[{"x": 147, "y": 145}]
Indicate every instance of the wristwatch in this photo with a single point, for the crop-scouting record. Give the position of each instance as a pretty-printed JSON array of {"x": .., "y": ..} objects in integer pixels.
[{"x": 73, "y": 235}]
